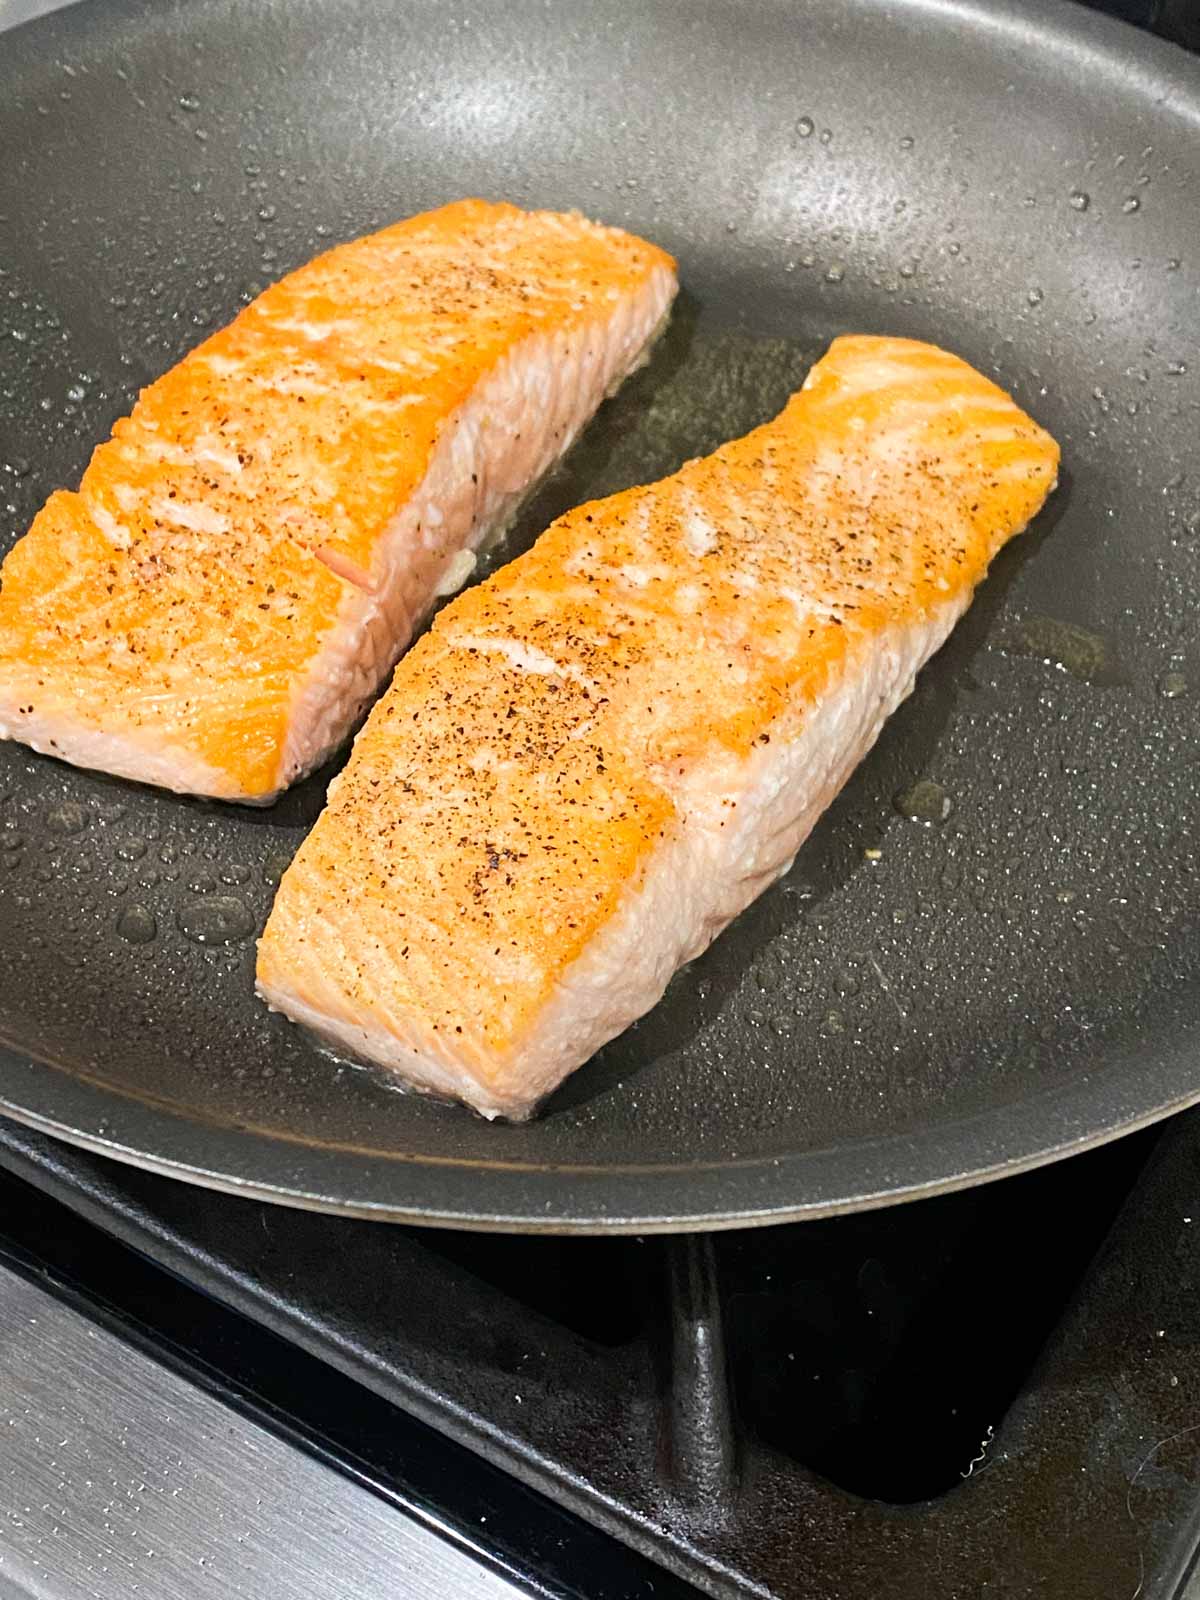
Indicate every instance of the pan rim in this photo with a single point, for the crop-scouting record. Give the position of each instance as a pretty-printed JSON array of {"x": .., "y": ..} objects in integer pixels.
[{"x": 675, "y": 1211}]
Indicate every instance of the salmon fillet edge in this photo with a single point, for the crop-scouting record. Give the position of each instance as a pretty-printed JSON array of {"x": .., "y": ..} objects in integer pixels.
[
  {"x": 698, "y": 881},
  {"x": 842, "y": 543}
]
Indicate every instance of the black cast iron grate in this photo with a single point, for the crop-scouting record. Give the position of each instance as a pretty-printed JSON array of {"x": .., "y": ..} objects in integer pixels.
[{"x": 950, "y": 1399}]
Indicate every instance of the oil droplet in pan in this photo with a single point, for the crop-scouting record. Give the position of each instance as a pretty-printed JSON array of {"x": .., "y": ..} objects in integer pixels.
[
  {"x": 1072, "y": 649},
  {"x": 276, "y": 865},
  {"x": 925, "y": 802},
  {"x": 67, "y": 818},
  {"x": 216, "y": 919}
]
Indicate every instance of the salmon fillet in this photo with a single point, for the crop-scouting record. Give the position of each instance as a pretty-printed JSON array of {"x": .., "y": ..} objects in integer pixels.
[
  {"x": 249, "y": 553},
  {"x": 597, "y": 758}
]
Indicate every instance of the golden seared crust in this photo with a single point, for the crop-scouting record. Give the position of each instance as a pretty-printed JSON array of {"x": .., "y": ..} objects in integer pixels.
[
  {"x": 539, "y": 743},
  {"x": 180, "y": 596}
]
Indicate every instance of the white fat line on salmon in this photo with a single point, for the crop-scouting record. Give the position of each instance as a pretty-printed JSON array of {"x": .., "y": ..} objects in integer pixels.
[
  {"x": 204, "y": 453},
  {"x": 112, "y": 530},
  {"x": 685, "y": 597},
  {"x": 524, "y": 657},
  {"x": 638, "y": 577},
  {"x": 807, "y": 608},
  {"x": 893, "y": 371},
  {"x": 411, "y": 366},
  {"x": 311, "y": 389},
  {"x": 699, "y": 535},
  {"x": 314, "y": 331},
  {"x": 220, "y": 366},
  {"x": 308, "y": 378},
  {"x": 197, "y": 518},
  {"x": 209, "y": 455}
]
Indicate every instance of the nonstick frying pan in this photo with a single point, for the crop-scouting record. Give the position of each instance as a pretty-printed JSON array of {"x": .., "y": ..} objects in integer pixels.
[{"x": 921, "y": 1003}]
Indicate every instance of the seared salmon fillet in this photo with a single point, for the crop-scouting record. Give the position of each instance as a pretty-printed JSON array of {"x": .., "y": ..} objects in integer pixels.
[
  {"x": 597, "y": 758},
  {"x": 249, "y": 553}
]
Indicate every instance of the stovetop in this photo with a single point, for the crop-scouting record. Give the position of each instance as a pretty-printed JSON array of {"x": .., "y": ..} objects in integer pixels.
[
  {"x": 988, "y": 1393},
  {"x": 992, "y": 1392}
]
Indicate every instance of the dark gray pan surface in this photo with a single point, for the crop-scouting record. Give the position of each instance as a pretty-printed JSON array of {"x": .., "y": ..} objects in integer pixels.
[{"x": 1020, "y": 183}]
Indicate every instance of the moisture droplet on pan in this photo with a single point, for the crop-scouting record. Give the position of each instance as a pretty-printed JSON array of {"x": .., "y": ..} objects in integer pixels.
[{"x": 137, "y": 924}]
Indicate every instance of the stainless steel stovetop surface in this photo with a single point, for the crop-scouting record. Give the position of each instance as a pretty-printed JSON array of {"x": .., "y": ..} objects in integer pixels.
[{"x": 119, "y": 1477}]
